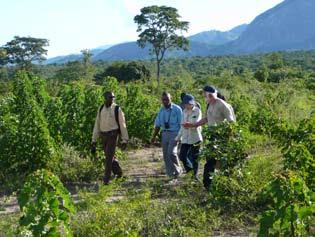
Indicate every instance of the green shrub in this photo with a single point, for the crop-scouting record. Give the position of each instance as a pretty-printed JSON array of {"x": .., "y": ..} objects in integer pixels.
[
  {"x": 74, "y": 167},
  {"x": 292, "y": 207},
  {"x": 45, "y": 206},
  {"x": 226, "y": 143}
]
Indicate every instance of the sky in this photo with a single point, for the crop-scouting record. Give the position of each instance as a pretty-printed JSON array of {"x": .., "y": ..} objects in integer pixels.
[{"x": 73, "y": 25}]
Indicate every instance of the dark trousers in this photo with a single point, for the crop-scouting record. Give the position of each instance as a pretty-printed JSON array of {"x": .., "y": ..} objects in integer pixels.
[
  {"x": 208, "y": 171},
  {"x": 109, "y": 140},
  {"x": 189, "y": 155}
]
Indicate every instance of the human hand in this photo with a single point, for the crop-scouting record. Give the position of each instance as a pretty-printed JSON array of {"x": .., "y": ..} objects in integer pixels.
[
  {"x": 124, "y": 146},
  {"x": 93, "y": 148},
  {"x": 188, "y": 125}
]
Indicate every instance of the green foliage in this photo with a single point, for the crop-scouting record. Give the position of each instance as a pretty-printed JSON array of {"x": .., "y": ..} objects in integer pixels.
[
  {"x": 143, "y": 213},
  {"x": 292, "y": 192},
  {"x": 74, "y": 167},
  {"x": 159, "y": 26},
  {"x": 125, "y": 72},
  {"x": 243, "y": 108},
  {"x": 275, "y": 61},
  {"x": 37, "y": 122},
  {"x": 299, "y": 152},
  {"x": 140, "y": 112},
  {"x": 89, "y": 68},
  {"x": 262, "y": 74},
  {"x": 77, "y": 70},
  {"x": 45, "y": 206},
  {"x": 22, "y": 51},
  {"x": 72, "y": 71},
  {"x": 240, "y": 191},
  {"x": 55, "y": 118},
  {"x": 291, "y": 209},
  {"x": 25, "y": 134},
  {"x": 225, "y": 142},
  {"x": 73, "y": 97},
  {"x": 298, "y": 158}
]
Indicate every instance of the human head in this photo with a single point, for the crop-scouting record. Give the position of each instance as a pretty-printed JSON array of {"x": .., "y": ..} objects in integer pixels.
[
  {"x": 166, "y": 99},
  {"x": 210, "y": 93},
  {"x": 189, "y": 101},
  {"x": 109, "y": 98}
]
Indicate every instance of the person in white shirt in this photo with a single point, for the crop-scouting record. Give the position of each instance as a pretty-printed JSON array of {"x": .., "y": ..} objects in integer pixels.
[
  {"x": 190, "y": 138},
  {"x": 218, "y": 110}
]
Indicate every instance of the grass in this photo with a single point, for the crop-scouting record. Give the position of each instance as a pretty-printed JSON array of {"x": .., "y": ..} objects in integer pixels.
[{"x": 154, "y": 207}]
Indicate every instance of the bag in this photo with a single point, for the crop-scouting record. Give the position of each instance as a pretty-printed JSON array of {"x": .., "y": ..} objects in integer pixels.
[{"x": 116, "y": 115}]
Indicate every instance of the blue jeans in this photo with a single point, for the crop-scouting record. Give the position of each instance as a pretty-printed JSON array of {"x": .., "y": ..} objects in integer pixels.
[{"x": 189, "y": 156}]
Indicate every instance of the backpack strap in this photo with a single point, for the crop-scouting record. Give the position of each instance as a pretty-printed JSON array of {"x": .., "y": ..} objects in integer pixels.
[
  {"x": 116, "y": 116},
  {"x": 102, "y": 106}
]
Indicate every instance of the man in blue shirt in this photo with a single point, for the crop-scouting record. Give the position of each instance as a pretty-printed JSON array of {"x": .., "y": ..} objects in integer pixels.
[{"x": 168, "y": 120}]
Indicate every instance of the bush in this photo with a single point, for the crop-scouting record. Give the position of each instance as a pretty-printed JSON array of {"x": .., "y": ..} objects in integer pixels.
[
  {"x": 240, "y": 192},
  {"x": 125, "y": 72},
  {"x": 45, "y": 205},
  {"x": 226, "y": 143},
  {"x": 292, "y": 207},
  {"x": 25, "y": 137},
  {"x": 76, "y": 168}
]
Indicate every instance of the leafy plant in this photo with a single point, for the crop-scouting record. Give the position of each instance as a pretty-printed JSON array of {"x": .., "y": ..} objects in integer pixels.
[
  {"x": 292, "y": 207},
  {"x": 46, "y": 206},
  {"x": 225, "y": 142}
]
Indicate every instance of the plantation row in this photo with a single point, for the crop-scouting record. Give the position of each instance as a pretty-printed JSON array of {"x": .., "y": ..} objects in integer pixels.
[{"x": 41, "y": 125}]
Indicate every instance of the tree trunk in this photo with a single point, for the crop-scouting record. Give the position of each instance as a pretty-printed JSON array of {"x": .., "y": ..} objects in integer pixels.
[{"x": 158, "y": 72}]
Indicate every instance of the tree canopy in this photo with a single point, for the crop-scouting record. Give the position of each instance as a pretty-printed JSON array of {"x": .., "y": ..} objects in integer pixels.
[
  {"x": 160, "y": 27},
  {"x": 22, "y": 51}
]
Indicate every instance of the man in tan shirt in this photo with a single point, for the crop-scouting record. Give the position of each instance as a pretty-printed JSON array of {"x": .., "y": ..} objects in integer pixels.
[{"x": 109, "y": 123}]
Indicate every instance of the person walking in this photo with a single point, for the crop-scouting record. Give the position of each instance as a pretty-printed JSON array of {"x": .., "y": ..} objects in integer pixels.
[
  {"x": 109, "y": 123},
  {"x": 168, "y": 120},
  {"x": 218, "y": 110},
  {"x": 190, "y": 138}
]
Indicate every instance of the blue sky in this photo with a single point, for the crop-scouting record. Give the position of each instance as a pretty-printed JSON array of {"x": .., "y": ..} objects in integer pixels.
[{"x": 72, "y": 25}]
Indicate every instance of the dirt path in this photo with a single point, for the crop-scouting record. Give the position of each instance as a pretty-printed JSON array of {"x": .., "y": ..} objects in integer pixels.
[{"x": 141, "y": 165}]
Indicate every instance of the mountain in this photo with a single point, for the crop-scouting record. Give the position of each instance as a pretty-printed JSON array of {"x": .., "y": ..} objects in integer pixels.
[
  {"x": 75, "y": 57},
  {"x": 215, "y": 37},
  {"x": 131, "y": 51},
  {"x": 288, "y": 26},
  {"x": 200, "y": 45}
]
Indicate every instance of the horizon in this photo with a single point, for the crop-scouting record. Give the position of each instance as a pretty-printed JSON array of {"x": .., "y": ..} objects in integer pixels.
[{"x": 61, "y": 22}]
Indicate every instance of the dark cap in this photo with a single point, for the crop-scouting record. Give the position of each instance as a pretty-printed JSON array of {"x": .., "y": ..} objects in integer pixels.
[
  {"x": 189, "y": 99},
  {"x": 209, "y": 89}
]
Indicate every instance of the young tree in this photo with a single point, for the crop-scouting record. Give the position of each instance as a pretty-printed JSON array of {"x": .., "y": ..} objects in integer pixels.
[
  {"x": 25, "y": 141},
  {"x": 22, "y": 51},
  {"x": 88, "y": 67},
  {"x": 159, "y": 26}
]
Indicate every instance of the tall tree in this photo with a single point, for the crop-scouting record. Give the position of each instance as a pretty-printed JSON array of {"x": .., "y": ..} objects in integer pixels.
[
  {"x": 22, "y": 51},
  {"x": 88, "y": 67},
  {"x": 160, "y": 27}
]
